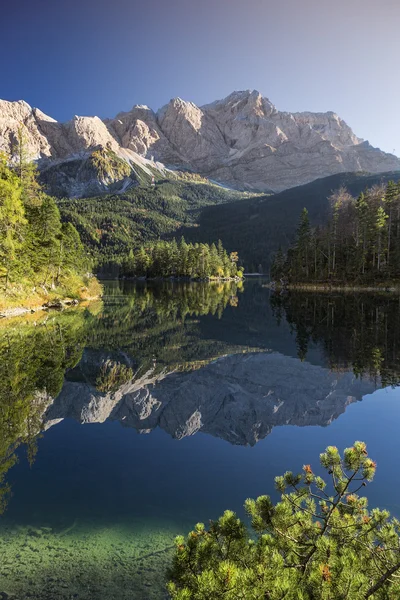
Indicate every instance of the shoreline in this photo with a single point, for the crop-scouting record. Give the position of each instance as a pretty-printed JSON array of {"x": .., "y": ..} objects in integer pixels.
[
  {"x": 181, "y": 279},
  {"x": 326, "y": 287},
  {"x": 57, "y": 304}
]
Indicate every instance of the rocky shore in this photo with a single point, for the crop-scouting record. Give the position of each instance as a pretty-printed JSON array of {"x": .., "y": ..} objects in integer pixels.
[{"x": 56, "y": 304}]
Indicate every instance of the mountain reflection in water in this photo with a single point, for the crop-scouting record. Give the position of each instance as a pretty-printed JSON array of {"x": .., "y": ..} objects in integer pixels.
[
  {"x": 238, "y": 398},
  {"x": 195, "y": 357},
  {"x": 96, "y": 514}
]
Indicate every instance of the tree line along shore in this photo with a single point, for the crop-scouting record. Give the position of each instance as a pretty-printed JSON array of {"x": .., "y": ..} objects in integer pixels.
[
  {"x": 44, "y": 264},
  {"x": 358, "y": 247}
]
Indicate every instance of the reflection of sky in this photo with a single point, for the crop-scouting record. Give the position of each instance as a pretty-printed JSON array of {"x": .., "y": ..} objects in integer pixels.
[
  {"x": 107, "y": 472},
  {"x": 308, "y": 55},
  {"x": 109, "y": 492}
]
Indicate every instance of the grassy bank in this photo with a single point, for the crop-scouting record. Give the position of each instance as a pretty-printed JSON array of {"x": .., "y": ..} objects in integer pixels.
[{"x": 20, "y": 298}]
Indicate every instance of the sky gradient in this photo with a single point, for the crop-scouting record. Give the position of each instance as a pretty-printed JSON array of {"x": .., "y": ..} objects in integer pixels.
[{"x": 98, "y": 57}]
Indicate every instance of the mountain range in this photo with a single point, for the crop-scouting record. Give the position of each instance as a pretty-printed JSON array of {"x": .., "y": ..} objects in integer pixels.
[{"x": 242, "y": 142}]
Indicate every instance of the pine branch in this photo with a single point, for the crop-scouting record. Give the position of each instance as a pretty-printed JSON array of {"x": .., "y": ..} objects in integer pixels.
[{"x": 382, "y": 580}]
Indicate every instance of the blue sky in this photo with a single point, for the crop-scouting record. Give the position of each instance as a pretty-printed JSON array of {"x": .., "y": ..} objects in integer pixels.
[{"x": 99, "y": 57}]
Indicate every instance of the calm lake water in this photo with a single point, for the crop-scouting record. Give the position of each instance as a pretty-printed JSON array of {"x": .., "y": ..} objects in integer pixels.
[{"x": 125, "y": 423}]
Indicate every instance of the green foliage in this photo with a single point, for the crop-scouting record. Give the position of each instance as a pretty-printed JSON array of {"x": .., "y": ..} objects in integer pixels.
[
  {"x": 319, "y": 542},
  {"x": 112, "y": 376},
  {"x": 256, "y": 227},
  {"x": 12, "y": 219},
  {"x": 110, "y": 226},
  {"x": 37, "y": 252},
  {"x": 109, "y": 165},
  {"x": 33, "y": 361},
  {"x": 170, "y": 259},
  {"x": 360, "y": 242}
]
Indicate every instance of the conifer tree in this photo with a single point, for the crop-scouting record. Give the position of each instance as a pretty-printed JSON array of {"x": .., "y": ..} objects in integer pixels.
[
  {"x": 390, "y": 199},
  {"x": 302, "y": 244},
  {"x": 362, "y": 229},
  {"x": 12, "y": 218},
  {"x": 319, "y": 542},
  {"x": 359, "y": 243},
  {"x": 278, "y": 265},
  {"x": 27, "y": 172},
  {"x": 71, "y": 251},
  {"x": 35, "y": 248}
]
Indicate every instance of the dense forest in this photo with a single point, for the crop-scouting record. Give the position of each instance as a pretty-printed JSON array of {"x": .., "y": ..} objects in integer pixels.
[
  {"x": 172, "y": 259},
  {"x": 40, "y": 257},
  {"x": 359, "y": 243},
  {"x": 110, "y": 226},
  {"x": 256, "y": 227}
]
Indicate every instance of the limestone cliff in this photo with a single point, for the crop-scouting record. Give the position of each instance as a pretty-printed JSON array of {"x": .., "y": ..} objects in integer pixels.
[{"x": 242, "y": 141}]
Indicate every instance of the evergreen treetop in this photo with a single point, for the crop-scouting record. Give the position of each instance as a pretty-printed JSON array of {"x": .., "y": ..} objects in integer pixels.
[
  {"x": 172, "y": 259},
  {"x": 319, "y": 542},
  {"x": 359, "y": 243},
  {"x": 38, "y": 255}
]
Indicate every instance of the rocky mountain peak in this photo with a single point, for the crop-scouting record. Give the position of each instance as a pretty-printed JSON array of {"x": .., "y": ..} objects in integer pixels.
[
  {"x": 17, "y": 109},
  {"x": 242, "y": 141},
  {"x": 177, "y": 106},
  {"x": 243, "y": 103},
  {"x": 41, "y": 116},
  {"x": 330, "y": 127}
]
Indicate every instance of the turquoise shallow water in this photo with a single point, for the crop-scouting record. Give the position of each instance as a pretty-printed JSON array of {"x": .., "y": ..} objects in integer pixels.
[{"x": 95, "y": 514}]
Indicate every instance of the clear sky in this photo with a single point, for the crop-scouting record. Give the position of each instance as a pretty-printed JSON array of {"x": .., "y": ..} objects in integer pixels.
[{"x": 89, "y": 57}]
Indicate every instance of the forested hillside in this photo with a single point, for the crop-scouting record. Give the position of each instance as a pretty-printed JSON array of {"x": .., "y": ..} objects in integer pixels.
[
  {"x": 40, "y": 257},
  {"x": 110, "y": 226},
  {"x": 253, "y": 225},
  {"x": 256, "y": 227}
]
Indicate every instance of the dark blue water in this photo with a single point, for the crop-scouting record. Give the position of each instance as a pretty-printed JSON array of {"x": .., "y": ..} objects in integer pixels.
[
  {"x": 104, "y": 471},
  {"x": 112, "y": 499}
]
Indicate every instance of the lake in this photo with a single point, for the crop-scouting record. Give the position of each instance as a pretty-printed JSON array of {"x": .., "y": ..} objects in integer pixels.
[{"x": 124, "y": 423}]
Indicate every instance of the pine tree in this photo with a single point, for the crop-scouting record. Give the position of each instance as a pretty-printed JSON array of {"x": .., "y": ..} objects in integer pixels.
[
  {"x": 35, "y": 249},
  {"x": 72, "y": 256},
  {"x": 318, "y": 542},
  {"x": 302, "y": 246},
  {"x": 380, "y": 222},
  {"x": 390, "y": 199},
  {"x": 360, "y": 242},
  {"x": 278, "y": 265},
  {"x": 12, "y": 219},
  {"x": 362, "y": 229}
]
